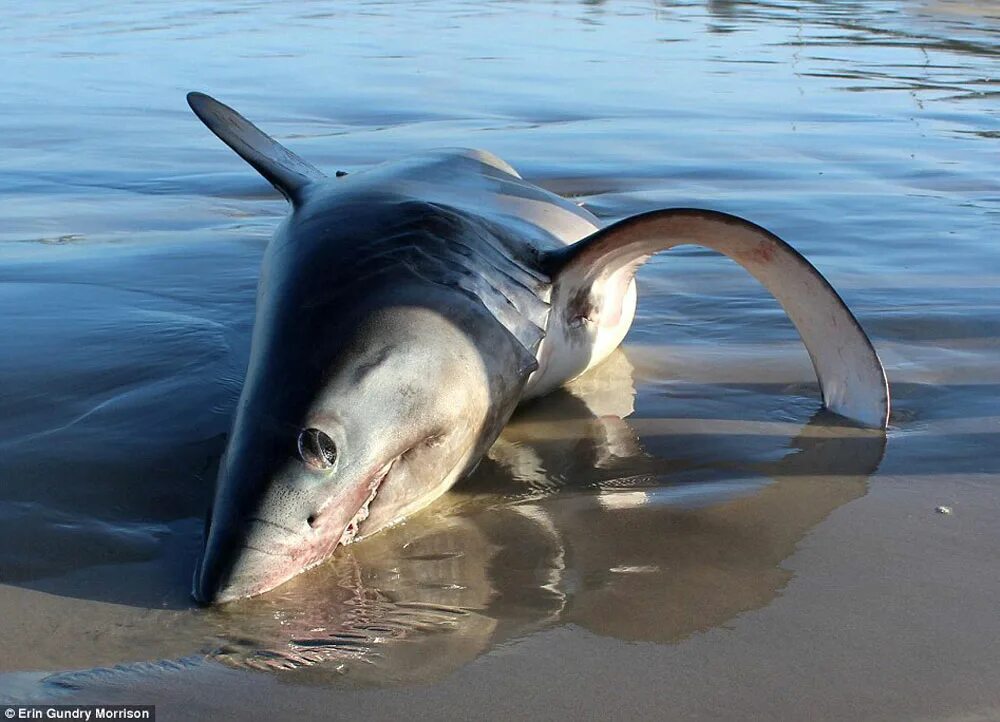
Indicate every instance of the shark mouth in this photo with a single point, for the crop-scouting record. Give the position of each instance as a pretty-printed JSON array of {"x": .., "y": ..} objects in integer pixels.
[
  {"x": 375, "y": 483},
  {"x": 351, "y": 532}
]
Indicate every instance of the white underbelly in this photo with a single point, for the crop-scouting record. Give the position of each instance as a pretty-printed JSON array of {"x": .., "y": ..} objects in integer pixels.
[{"x": 569, "y": 349}]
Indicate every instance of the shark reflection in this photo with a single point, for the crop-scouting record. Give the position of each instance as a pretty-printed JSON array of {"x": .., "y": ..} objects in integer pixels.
[{"x": 569, "y": 521}]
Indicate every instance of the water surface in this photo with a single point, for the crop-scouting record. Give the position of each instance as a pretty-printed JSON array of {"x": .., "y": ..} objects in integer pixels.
[{"x": 682, "y": 530}]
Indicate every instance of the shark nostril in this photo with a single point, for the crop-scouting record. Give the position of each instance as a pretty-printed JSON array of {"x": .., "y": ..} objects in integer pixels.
[
  {"x": 317, "y": 449},
  {"x": 312, "y": 521}
]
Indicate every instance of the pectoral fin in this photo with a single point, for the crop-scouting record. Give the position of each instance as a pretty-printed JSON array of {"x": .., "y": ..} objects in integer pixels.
[
  {"x": 280, "y": 166},
  {"x": 850, "y": 373}
]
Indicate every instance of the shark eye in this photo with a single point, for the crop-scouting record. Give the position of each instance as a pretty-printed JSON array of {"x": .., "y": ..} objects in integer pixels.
[{"x": 317, "y": 449}]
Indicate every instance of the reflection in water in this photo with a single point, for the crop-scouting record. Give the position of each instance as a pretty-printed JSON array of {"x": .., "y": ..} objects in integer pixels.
[{"x": 634, "y": 557}]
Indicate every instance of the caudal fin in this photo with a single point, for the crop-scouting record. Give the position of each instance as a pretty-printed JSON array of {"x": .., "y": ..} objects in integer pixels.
[{"x": 850, "y": 373}]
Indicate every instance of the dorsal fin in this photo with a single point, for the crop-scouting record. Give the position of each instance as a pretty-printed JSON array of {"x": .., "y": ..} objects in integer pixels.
[
  {"x": 282, "y": 168},
  {"x": 850, "y": 374}
]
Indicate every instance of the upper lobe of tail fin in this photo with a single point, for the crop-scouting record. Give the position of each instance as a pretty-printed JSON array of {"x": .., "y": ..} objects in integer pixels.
[{"x": 850, "y": 373}]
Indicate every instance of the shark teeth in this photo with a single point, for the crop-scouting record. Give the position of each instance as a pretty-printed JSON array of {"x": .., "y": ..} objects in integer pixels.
[{"x": 352, "y": 527}]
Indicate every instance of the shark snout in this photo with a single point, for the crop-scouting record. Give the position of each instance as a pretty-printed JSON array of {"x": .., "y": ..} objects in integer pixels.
[
  {"x": 248, "y": 560},
  {"x": 248, "y": 555},
  {"x": 215, "y": 584},
  {"x": 257, "y": 541}
]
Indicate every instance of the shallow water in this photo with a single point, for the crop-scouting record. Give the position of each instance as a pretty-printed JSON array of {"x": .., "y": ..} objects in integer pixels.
[{"x": 682, "y": 530}]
